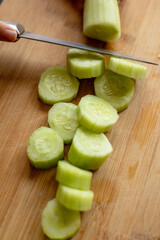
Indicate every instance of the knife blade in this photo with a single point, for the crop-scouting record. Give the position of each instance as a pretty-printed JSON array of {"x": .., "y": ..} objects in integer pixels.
[{"x": 21, "y": 33}]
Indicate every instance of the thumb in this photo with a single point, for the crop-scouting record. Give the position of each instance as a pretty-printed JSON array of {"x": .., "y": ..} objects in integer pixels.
[{"x": 7, "y": 33}]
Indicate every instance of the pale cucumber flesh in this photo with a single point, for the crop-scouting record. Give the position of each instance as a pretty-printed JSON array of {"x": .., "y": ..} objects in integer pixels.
[
  {"x": 62, "y": 118},
  {"x": 127, "y": 68},
  {"x": 59, "y": 222},
  {"x": 96, "y": 114},
  {"x": 74, "y": 199},
  {"x": 101, "y": 20},
  {"x": 89, "y": 150},
  {"x": 85, "y": 64},
  {"x": 56, "y": 85},
  {"x": 73, "y": 176},
  {"x": 45, "y": 148},
  {"x": 116, "y": 89}
]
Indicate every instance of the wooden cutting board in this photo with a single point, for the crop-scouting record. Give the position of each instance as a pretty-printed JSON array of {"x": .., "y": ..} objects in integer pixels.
[{"x": 127, "y": 187}]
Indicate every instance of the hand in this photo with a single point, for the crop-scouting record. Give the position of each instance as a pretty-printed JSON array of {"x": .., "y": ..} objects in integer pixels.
[{"x": 7, "y": 33}]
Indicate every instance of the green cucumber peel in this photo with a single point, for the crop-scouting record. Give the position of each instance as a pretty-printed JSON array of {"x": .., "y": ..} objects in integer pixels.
[
  {"x": 73, "y": 176},
  {"x": 101, "y": 20},
  {"x": 74, "y": 199},
  {"x": 85, "y": 64},
  {"x": 127, "y": 68},
  {"x": 89, "y": 150}
]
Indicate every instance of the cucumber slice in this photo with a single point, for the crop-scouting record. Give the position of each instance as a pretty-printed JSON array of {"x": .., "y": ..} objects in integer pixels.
[
  {"x": 101, "y": 20},
  {"x": 127, "y": 68},
  {"x": 74, "y": 199},
  {"x": 45, "y": 148},
  {"x": 89, "y": 150},
  {"x": 96, "y": 114},
  {"x": 57, "y": 85},
  {"x": 59, "y": 222},
  {"x": 62, "y": 118},
  {"x": 85, "y": 64},
  {"x": 72, "y": 176},
  {"x": 116, "y": 89}
]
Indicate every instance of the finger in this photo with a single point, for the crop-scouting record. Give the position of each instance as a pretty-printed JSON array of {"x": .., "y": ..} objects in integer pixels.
[{"x": 7, "y": 33}]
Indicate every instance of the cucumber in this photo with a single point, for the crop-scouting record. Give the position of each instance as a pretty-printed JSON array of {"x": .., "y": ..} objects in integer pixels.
[
  {"x": 89, "y": 150},
  {"x": 101, "y": 20},
  {"x": 72, "y": 176},
  {"x": 85, "y": 64},
  {"x": 127, "y": 68},
  {"x": 59, "y": 222},
  {"x": 45, "y": 148},
  {"x": 62, "y": 118},
  {"x": 116, "y": 89},
  {"x": 96, "y": 114},
  {"x": 56, "y": 85},
  {"x": 74, "y": 199}
]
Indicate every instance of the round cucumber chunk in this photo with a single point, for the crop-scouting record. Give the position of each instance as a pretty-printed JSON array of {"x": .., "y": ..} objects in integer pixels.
[
  {"x": 96, "y": 114},
  {"x": 74, "y": 199},
  {"x": 127, "y": 68},
  {"x": 62, "y": 118},
  {"x": 56, "y": 85},
  {"x": 73, "y": 176},
  {"x": 85, "y": 64},
  {"x": 89, "y": 150},
  {"x": 116, "y": 89},
  {"x": 59, "y": 222},
  {"x": 45, "y": 148}
]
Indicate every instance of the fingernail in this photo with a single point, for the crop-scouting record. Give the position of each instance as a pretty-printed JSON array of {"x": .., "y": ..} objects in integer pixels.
[{"x": 10, "y": 35}]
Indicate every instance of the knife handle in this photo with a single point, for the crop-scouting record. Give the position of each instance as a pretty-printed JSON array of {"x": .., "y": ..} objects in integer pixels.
[{"x": 16, "y": 26}]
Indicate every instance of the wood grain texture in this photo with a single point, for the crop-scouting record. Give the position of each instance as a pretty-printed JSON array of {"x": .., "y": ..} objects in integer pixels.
[{"x": 127, "y": 187}]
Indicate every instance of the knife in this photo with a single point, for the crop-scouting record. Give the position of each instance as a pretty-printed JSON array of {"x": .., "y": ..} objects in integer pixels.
[{"x": 21, "y": 33}]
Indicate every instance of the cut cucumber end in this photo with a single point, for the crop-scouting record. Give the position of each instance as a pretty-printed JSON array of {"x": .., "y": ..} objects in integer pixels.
[
  {"x": 62, "y": 118},
  {"x": 85, "y": 64},
  {"x": 74, "y": 199},
  {"x": 116, "y": 89},
  {"x": 101, "y": 20},
  {"x": 56, "y": 85},
  {"x": 59, "y": 222},
  {"x": 95, "y": 114},
  {"x": 45, "y": 148},
  {"x": 89, "y": 150},
  {"x": 103, "y": 32},
  {"x": 73, "y": 176},
  {"x": 127, "y": 68}
]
